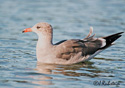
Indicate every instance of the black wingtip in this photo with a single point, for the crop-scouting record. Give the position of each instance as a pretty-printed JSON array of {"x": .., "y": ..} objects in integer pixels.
[
  {"x": 111, "y": 38},
  {"x": 113, "y": 35}
]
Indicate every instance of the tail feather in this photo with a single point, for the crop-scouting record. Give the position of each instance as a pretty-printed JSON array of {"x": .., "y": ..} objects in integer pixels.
[{"x": 111, "y": 38}]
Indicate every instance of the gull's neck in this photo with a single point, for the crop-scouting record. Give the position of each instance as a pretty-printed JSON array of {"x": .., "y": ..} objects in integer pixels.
[
  {"x": 44, "y": 45},
  {"x": 44, "y": 41}
]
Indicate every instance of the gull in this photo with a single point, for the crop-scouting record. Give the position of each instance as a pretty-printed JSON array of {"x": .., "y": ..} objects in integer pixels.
[{"x": 68, "y": 51}]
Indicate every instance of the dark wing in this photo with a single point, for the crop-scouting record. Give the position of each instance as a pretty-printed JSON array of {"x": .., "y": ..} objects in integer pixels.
[
  {"x": 60, "y": 42},
  {"x": 88, "y": 46},
  {"x": 70, "y": 48}
]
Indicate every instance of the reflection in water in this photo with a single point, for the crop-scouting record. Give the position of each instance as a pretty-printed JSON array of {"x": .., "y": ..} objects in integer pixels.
[
  {"x": 48, "y": 71},
  {"x": 70, "y": 20},
  {"x": 45, "y": 70},
  {"x": 49, "y": 75}
]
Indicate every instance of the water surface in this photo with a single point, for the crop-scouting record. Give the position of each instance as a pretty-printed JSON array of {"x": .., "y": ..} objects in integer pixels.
[{"x": 70, "y": 19}]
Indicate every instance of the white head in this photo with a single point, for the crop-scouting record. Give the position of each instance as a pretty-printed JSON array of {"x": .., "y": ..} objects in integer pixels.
[
  {"x": 44, "y": 31},
  {"x": 40, "y": 28}
]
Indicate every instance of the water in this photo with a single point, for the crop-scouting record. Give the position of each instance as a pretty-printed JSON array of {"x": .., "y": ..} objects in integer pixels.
[{"x": 70, "y": 19}]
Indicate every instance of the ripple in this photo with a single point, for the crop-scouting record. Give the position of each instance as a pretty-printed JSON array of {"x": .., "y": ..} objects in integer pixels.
[{"x": 18, "y": 66}]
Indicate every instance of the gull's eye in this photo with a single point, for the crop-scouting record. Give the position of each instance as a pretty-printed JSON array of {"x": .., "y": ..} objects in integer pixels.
[{"x": 38, "y": 27}]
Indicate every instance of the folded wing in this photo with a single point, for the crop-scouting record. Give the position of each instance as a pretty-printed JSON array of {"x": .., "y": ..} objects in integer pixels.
[{"x": 89, "y": 46}]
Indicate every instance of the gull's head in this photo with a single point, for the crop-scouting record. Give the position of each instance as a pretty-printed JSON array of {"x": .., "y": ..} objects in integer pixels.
[{"x": 40, "y": 28}]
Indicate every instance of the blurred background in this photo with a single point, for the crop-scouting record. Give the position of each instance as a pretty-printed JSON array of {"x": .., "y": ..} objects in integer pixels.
[{"x": 70, "y": 19}]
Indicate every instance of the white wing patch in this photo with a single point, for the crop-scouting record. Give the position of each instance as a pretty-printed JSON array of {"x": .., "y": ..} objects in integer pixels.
[{"x": 103, "y": 42}]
